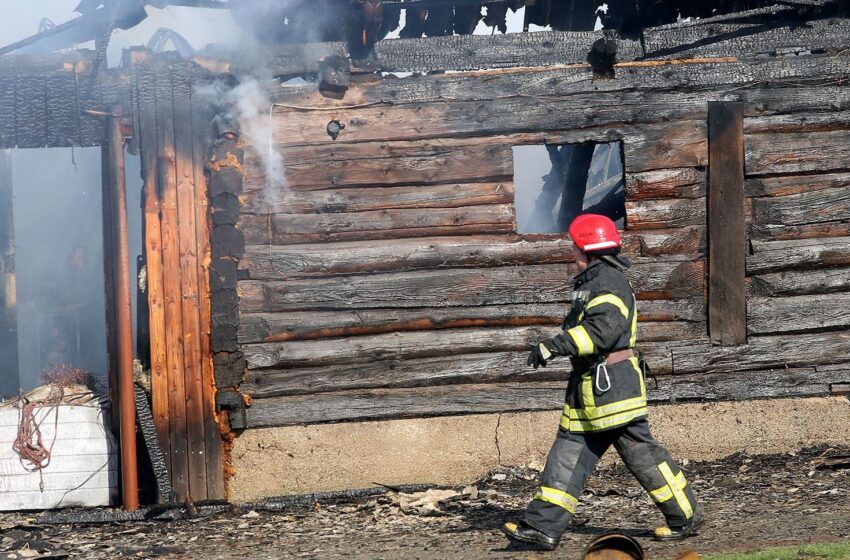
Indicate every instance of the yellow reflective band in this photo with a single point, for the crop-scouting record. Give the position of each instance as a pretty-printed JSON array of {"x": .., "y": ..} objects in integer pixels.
[
  {"x": 607, "y": 422},
  {"x": 662, "y": 494},
  {"x": 593, "y": 412},
  {"x": 557, "y": 497},
  {"x": 587, "y": 399},
  {"x": 613, "y": 300},
  {"x": 677, "y": 485},
  {"x": 636, "y": 365},
  {"x": 633, "y": 339},
  {"x": 582, "y": 340}
]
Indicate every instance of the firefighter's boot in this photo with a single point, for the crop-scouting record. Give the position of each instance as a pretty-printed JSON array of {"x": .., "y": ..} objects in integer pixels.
[
  {"x": 524, "y": 533},
  {"x": 683, "y": 532}
]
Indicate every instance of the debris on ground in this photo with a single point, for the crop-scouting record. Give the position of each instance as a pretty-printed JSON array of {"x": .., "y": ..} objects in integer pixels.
[{"x": 750, "y": 502}]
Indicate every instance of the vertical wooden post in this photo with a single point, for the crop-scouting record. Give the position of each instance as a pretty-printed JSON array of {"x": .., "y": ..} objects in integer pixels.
[
  {"x": 145, "y": 89},
  {"x": 9, "y": 376},
  {"x": 727, "y": 237},
  {"x": 173, "y": 298}
]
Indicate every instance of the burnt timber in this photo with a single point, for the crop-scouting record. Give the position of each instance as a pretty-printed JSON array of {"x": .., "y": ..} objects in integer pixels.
[
  {"x": 355, "y": 304},
  {"x": 385, "y": 278}
]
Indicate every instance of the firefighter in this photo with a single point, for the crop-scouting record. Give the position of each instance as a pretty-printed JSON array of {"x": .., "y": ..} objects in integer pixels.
[{"x": 606, "y": 398}]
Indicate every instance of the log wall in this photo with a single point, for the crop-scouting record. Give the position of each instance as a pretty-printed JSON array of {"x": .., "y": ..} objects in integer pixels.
[{"x": 384, "y": 278}]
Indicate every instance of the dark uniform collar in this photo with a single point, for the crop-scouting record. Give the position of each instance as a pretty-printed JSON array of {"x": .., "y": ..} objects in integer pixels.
[{"x": 597, "y": 265}]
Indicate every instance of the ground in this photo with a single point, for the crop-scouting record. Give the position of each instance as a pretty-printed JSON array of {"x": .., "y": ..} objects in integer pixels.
[{"x": 751, "y": 502}]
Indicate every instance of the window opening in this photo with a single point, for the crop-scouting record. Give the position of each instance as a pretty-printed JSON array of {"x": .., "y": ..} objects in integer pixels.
[{"x": 555, "y": 183}]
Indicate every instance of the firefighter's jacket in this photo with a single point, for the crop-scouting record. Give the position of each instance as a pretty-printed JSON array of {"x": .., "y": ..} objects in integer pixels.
[{"x": 602, "y": 319}]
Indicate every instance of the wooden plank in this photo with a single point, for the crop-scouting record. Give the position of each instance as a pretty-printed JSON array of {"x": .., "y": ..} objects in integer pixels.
[
  {"x": 738, "y": 386},
  {"x": 798, "y": 122},
  {"x": 686, "y": 241},
  {"x": 784, "y": 185},
  {"x": 167, "y": 185},
  {"x": 10, "y": 383},
  {"x": 426, "y": 288},
  {"x": 772, "y": 256},
  {"x": 213, "y": 452},
  {"x": 763, "y": 352},
  {"x": 772, "y": 232},
  {"x": 800, "y": 282},
  {"x": 798, "y": 313},
  {"x": 456, "y": 287},
  {"x": 452, "y": 195},
  {"x": 504, "y": 115},
  {"x": 278, "y": 262},
  {"x": 683, "y": 182},
  {"x": 396, "y": 163},
  {"x": 731, "y": 39},
  {"x": 492, "y": 367},
  {"x": 727, "y": 225},
  {"x": 149, "y": 150},
  {"x": 187, "y": 244},
  {"x": 375, "y": 404},
  {"x": 422, "y": 344},
  {"x": 300, "y": 325},
  {"x": 646, "y": 147},
  {"x": 546, "y": 48},
  {"x": 701, "y": 77},
  {"x": 827, "y": 205},
  {"x": 284, "y": 229},
  {"x": 796, "y": 152},
  {"x": 665, "y": 213}
]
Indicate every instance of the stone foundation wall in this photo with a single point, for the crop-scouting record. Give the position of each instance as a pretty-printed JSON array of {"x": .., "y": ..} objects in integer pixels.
[{"x": 461, "y": 449}]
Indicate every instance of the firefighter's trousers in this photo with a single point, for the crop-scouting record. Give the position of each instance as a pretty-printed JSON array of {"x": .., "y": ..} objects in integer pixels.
[{"x": 573, "y": 457}]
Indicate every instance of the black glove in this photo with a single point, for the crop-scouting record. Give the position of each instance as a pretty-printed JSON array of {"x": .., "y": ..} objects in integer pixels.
[{"x": 540, "y": 354}]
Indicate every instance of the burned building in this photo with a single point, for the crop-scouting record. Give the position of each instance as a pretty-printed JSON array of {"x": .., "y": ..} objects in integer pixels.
[{"x": 336, "y": 291}]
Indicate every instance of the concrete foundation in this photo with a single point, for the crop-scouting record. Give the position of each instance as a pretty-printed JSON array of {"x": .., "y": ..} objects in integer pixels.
[{"x": 461, "y": 449}]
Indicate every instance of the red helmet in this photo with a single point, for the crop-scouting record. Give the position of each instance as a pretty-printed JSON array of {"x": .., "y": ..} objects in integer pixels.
[{"x": 593, "y": 232}]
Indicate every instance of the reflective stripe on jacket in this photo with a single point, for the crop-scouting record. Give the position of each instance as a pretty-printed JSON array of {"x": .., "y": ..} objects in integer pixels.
[{"x": 603, "y": 318}]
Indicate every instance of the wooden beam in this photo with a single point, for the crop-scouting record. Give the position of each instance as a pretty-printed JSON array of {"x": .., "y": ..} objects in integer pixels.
[
  {"x": 450, "y": 195},
  {"x": 798, "y": 314},
  {"x": 727, "y": 227},
  {"x": 773, "y": 256},
  {"x": 763, "y": 352},
  {"x": 798, "y": 152},
  {"x": 190, "y": 297},
  {"x": 374, "y": 404},
  {"x": 668, "y": 213},
  {"x": 547, "y": 48},
  {"x": 214, "y": 452},
  {"x": 827, "y": 205},
  {"x": 288, "y": 261},
  {"x": 149, "y": 149},
  {"x": 456, "y": 287},
  {"x": 175, "y": 352},
  {"x": 284, "y": 229},
  {"x": 10, "y": 383},
  {"x": 701, "y": 77},
  {"x": 821, "y": 281}
]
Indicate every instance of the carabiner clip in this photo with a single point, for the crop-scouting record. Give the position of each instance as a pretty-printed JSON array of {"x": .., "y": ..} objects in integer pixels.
[{"x": 604, "y": 370}]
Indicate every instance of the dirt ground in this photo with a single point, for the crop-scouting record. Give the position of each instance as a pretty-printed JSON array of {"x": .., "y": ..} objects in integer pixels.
[{"x": 750, "y": 502}]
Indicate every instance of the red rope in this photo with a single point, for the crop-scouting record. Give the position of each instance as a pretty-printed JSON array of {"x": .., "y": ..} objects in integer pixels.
[{"x": 29, "y": 444}]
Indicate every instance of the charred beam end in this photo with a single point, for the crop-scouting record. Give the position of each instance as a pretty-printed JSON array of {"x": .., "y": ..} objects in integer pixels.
[{"x": 228, "y": 245}]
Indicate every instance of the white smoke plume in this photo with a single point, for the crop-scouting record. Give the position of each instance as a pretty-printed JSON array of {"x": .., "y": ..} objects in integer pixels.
[{"x": 248, "y": 104}]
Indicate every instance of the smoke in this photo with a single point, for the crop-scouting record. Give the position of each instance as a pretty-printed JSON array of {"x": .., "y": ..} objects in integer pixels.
[{"x": 247, "y": 106}]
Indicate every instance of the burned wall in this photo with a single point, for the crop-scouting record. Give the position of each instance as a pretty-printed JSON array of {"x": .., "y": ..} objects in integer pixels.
[{"x": 387, "y": 280}]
